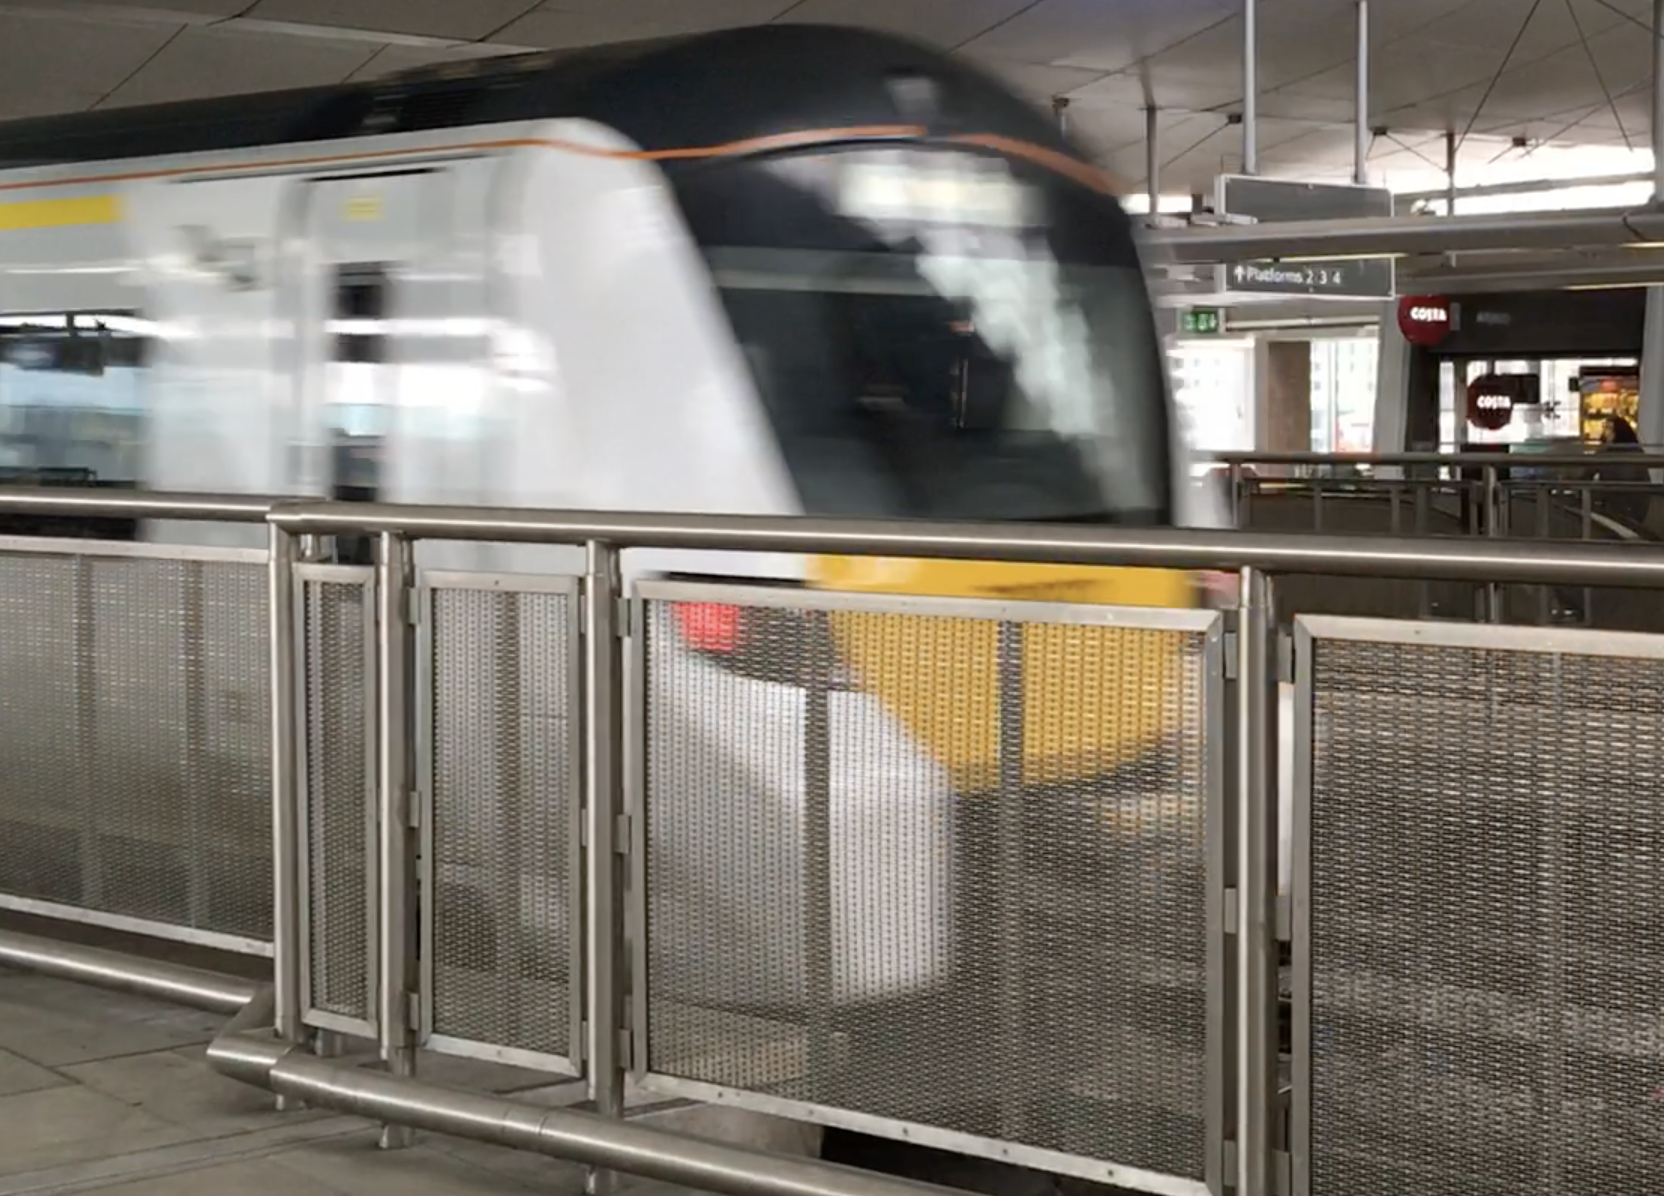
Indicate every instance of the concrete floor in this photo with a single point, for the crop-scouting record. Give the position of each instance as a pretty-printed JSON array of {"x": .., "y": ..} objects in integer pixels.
[{"x": 106, "y": 1092}]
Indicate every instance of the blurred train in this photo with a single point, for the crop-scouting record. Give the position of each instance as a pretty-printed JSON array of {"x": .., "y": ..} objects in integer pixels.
[{"x": 776, "y": 270}]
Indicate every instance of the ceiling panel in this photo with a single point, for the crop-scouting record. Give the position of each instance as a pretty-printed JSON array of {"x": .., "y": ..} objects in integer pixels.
[
  {"x": 215, "y": 61},
  {"x": 588, "y": 22},
  {"x": 48, "y": 66},
  {"x": 1038, "y": 82},
  {"x": 1090, "y": 33},
  {"x": 390, "y": 60},
  {"x": 162, "y": 10},
  {"x": 462, "y": 19},
  {"x": 696, "y": 14},
  {"x": 945, "y": 22},
  {"x": 1494, "y": 24}
]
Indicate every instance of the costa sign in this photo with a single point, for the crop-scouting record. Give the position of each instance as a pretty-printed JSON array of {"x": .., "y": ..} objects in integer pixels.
[
  {"x": 1491, "y": 399},
  {"x": 1424, "y": 319}
]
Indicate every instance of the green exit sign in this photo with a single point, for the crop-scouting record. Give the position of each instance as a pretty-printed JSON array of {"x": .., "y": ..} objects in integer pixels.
[{"x": 1202, "y": 321}]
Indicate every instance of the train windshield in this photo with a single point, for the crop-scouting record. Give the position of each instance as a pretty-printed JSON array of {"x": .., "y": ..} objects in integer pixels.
[{"x": 938, "y": 333}]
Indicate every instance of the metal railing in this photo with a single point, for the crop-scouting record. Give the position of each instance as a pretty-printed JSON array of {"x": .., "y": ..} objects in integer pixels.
[
  {"x": 1565, "y": 496},
  {"x": 583, "y": 670}
]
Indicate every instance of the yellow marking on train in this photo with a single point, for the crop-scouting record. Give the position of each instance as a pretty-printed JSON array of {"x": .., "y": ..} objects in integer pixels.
[
  {"x": 364, "y": 207},
  {"x": 59, "y": 213}
]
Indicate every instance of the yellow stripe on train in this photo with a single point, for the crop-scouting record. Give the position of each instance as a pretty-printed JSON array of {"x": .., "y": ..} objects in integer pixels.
[
  {"x": 22, "y": 215},
  {"x": 1094, "y": 698}
]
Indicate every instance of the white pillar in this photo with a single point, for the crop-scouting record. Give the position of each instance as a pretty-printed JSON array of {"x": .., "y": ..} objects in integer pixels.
[{"x": 1392, "y": 385}]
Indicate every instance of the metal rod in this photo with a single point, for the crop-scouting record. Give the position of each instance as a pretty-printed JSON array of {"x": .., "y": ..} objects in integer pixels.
[
  {"x": 1658, "y": 99},
  {"x": 1491, "y": 525},
  {"x": 602, "y": 1143},
  {"x": 1152, "y": 157},
  {"x": 247, "y": 1051},
  {"x": 1170, "y": 548},
  {"x": 1010, "y": 878},
  {"x": 1060, "y": 110},
  {"x": 1452, "y": 144},
  {"x": 1388, "y": 235},
  {"x": 1250, "y": 87},
  {"x": 395, "y": 855},
  {"x": 603, "y": 803},
  {"x": 126, "y": 973},
  {"x": 1257, "y": 794},
  {"x": 818, "y": 897},
  {"x": 1360, "y": 171},
  {"x": 288, "y": 938},
  {"x": 1589, "y": 460},
  {"x": 136, "y": 504}
]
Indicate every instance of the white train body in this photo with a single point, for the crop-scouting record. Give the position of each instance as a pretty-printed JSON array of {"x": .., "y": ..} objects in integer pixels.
[{"x": 517, "y": 315}]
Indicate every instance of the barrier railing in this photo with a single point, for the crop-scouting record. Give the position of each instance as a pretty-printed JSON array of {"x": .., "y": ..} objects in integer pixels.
[
  {"x": 1598, "y": 495},
  {"x": 998, "y": 877}
]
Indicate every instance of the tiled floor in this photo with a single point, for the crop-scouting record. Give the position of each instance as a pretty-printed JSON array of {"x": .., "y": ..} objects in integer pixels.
[{"x": 106, "y": 1092}]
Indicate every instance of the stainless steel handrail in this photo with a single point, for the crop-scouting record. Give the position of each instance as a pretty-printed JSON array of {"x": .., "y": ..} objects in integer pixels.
[
  {"x": 1592, "y": 459},
  {"x": 74, "y": 501},
  {"x": 1172, "y": 548}
]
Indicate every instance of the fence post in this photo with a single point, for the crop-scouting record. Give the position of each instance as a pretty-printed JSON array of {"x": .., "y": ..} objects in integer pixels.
[
  {"x": 288, "y": 937},
  {"x": 603, "y": 723},
  {"x": 395, "y": 854},
  {"x": 1256, "y": 712}
]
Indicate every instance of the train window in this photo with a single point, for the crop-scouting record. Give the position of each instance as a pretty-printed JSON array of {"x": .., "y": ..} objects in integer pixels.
[
  {"x": 358, "y": 390},
  {"x": 941, "y": 334},
  {"x": 71, "y": 399}
]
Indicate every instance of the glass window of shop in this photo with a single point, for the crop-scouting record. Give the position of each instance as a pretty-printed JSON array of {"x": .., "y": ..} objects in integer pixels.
[
  {"x": 1213, "y": 388},
  {"x": 1556, "y": 419},
  {"x": 1343, "y": 393}
]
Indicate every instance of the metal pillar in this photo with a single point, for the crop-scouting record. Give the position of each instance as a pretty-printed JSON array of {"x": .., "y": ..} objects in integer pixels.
[
  {"x": 1152, "y": 157},
  {"x": 1256, "y": 770},
  {"x": 603, "y": 805},
  {"x": 395, "y": 851},
  {"x": 1060, "y": 110},
  {"x": 1652, "y": 337},
  {"x": 288, "y": 937},
  {"x": 1450, "y": 146},
  {"x": 1250, "y": 87},
  {"x": 1360, "y": 170}
]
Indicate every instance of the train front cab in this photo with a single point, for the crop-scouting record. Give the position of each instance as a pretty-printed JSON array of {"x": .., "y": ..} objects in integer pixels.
[{"x": 944, "y": 332}]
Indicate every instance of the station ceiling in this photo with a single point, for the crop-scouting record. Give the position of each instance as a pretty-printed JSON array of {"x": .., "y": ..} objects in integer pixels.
[{"x": 1554, "y": 72}]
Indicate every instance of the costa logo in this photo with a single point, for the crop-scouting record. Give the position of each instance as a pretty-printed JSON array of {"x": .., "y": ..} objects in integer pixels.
[
  {"x": 1424, "y": 319},
  {"x": 1492, "y": 398}
]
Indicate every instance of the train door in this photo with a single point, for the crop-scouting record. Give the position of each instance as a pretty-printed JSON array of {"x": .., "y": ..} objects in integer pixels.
[{"x": 382, "y": 374}]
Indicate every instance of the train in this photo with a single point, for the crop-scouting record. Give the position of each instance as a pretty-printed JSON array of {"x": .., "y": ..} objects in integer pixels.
[{"x": 780, "y": 270}]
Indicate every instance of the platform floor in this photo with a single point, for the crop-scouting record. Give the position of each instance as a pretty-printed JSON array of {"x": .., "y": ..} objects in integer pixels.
[{"x": 107, "y": 1092}]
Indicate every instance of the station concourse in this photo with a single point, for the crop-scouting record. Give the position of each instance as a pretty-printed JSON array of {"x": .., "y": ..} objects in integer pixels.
[{"x": 832, "y": 598}]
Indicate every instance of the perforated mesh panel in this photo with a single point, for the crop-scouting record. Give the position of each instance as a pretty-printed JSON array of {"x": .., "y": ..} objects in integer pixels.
[
  {"x": 340, "y": 793},
  {"x": 504, "y": 799},
  {"x": 1487, "y": 875},
  {"x": 134, "y": 739},
  {"x": 844, "y": 910}
]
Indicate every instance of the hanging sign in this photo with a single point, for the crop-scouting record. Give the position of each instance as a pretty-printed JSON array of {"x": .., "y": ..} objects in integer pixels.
[
  {"x": 1493, "y": 397},
  {"x": 1424, "y": 319}
]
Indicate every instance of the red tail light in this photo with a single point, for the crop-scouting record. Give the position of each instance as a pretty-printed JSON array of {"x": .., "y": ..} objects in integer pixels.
[{"x": 709, "y": 626}]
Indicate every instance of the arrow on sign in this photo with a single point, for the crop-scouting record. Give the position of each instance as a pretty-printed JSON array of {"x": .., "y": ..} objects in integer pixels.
[{"x": 1241, "y": 273}]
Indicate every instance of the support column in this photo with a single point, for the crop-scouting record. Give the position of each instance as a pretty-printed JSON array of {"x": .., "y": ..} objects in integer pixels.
[
  {"x": 1283, "y": 394},
  {"x": 1360, "y": 169},
  {"x": 1652, "y": 340},
  {"x": 1392, "y": 385},
  {"x": 1250, "y": 87},
  {"x": 1152, "y": 157}
]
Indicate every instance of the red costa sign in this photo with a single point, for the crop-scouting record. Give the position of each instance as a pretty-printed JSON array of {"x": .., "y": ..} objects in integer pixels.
[
  {"x": 1491, "y": 399},
  {"x": 1424, "y": 319}
]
